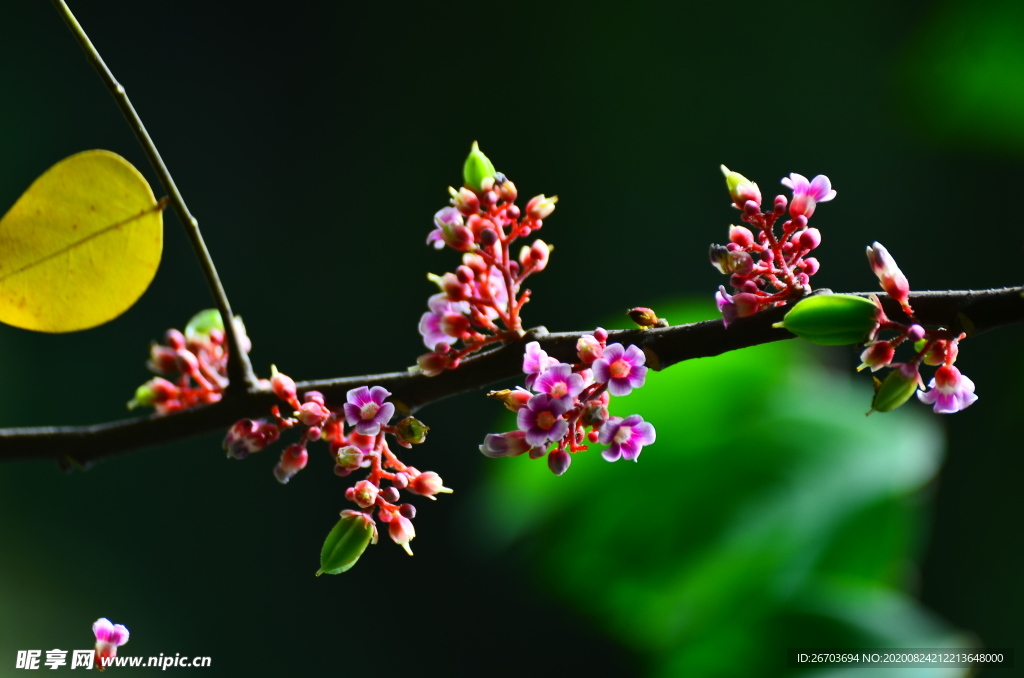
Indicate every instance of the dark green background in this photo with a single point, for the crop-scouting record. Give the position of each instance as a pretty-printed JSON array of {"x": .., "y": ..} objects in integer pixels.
[{"x": 314, "y": 143}]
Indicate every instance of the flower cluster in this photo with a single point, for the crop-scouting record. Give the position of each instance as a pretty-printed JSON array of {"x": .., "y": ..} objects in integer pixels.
[
  {"x": 948, "y": 391},
  {"x": 768, "y": 268},
  {"x": 362, "y": 445},
  {"x": 355, "y": 433},
  {"x": 479, "y": 303},
  {"x": 843, "y": 319},
  {"x": 193, "y": 364},
  {"x": 564, "y": 400}
]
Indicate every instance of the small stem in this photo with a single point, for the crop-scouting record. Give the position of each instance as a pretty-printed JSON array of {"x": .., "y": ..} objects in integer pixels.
[{"x": 239, "y": 368}]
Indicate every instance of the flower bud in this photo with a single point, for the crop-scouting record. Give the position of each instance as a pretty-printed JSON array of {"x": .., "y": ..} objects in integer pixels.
[
  {"x": 809, "y": 238},
  {"x": 155, "y": 391},
  {"x": 513, "y": 400},
  {"x": 430, "y": 364},
  {"x": 896, "y": 389},
  {"x": 558, "y": 461},
  {"x": 477, "y": 168},
  {"x": 589, "y": 349},
  {"x": 346, "y": 542},
  {"x": 741, "y": 189},
  {"x": 507, "y": 192},
  {"x": 293, "y": 460},
  {"x": 401, "y": 531},
  {"x": 349, "y": 457},
  {"x": 939, "y": 352},
  {"x": 314, "y": 397},
  {"x": 541, "y": 207},
  {"x": 411, "y": 430},
  {"x": 876, "y": 356},
  {"x": 889, "y": 275},
  {"x": 741, "y": 235},
  {"x": 645, "y": 317},
  {"x": 364, "y": 494},
  {"x": 832, "y": 319},
  {"x": 312, "y": 413},
  {"x": 536, "y": 254},
  {"x": 428, "y": 484},
  {"x": 283, "y": 385},
  {"x": 464, "y": 200}
]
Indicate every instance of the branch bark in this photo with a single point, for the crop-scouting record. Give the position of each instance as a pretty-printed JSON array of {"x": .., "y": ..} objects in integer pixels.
[{"x": 971, "y": 311}]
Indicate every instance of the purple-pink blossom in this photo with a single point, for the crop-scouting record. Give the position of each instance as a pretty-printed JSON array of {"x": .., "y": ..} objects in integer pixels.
[
  {"x": 444, "y": 322},
  {"x": 108, "y": 638},
  {"x": 733, "y": 306},
  {"x": 510, "y": 444},
  {"x": 807, "y": 194},
  {"x": 622, "y": 368},
  {"x": 449, "y": 229},
  {"x": 949, "y": 391},
  {"x": 627, "y": 437},
  {"x": 558, "y": 381},
  {"x": 535, "y": 361},
  {"x": 542, "y": 420},
  {"x": 366, "y": 409}
]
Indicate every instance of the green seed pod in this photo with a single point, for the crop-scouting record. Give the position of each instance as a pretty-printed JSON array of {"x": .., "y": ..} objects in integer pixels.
[
  {"x": 832, "y": 319},
  {"x": 477, "y": 168},
  {"x": 896, "y": 389},
  {"x": 346, "y": 542}
]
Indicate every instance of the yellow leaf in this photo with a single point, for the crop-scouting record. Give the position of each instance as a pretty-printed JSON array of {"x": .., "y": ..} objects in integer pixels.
[{"x": 80, "y": 246}]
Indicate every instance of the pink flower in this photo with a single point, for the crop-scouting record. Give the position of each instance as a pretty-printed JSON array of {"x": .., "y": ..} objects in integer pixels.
[
  {"x": 109, "y": 637},
  {"x": 623, "y": 369},
  {"x": 444, "y": 321},
  {"x": 542, "y": 420},
  {"x": 735, "y": 306},
  {"x": 559, "y": 381},
  {"x": 627, "y": 437},
  {"x": 535, "y": 361},
  {"x": 950, "y": 391},
  {"x": 807, "y": 194},
  {"x": 449, "y": 230},
  {"x": 366, "y": 409},
  {"x": 510, "y": 444}
]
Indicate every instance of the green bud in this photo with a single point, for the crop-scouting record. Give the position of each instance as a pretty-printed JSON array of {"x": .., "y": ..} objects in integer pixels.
[
  {"x": 477, "y": 168},
  {"x": 832, "y": 319},
  {"x": 346, "y": 542},
  {"x": 144, "y": 397},
  {"x": 896, "y": 389},
  {"x": 203, "y": 323},
  {"x": 411, "y": 430}
]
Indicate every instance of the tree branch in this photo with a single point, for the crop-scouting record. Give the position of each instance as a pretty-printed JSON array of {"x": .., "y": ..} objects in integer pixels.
[
  {"x": 239, "y": 368},
  {"x": 972, "y": 311}
]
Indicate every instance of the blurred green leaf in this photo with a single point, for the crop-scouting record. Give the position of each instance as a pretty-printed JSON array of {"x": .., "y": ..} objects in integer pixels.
[{"x": 964, "y": 76}]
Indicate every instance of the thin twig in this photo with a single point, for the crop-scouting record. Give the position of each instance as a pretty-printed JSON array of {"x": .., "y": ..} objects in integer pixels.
[
  {"x": 974, "y": 311},
  {"x": 239, "y": 368}
]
